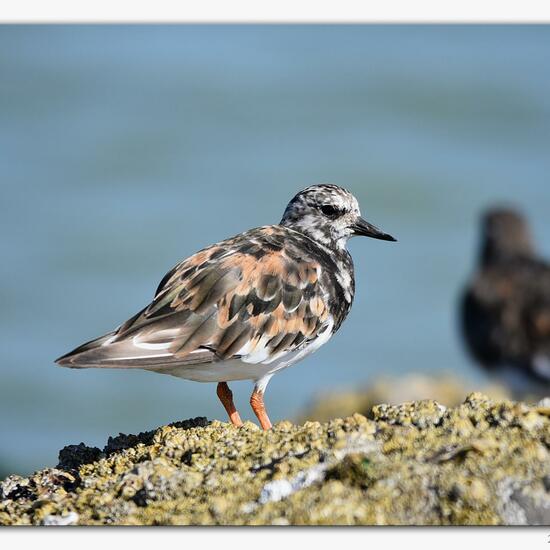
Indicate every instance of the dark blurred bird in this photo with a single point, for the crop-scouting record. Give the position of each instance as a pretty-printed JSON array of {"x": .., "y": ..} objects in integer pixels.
[
  {"x": 505, "y": 310},
  {"x": 248, "y": 306}
]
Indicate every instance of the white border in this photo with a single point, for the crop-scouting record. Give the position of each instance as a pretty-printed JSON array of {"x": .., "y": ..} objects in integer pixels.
[
  {"x": 281, "y": 11},
  {"x": 228, "y": 538},
  {"x": 276, "y": 11}
]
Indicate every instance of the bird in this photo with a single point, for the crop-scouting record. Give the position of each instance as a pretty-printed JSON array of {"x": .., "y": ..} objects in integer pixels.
[
  {"x": 248, "y": 306},
  {"x": 505, "y": 307}
]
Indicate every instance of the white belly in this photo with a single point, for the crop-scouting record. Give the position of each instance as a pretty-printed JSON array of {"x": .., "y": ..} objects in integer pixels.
[
  {"x": 255, "y": 366},
  {"x": 222, "y": 371}
]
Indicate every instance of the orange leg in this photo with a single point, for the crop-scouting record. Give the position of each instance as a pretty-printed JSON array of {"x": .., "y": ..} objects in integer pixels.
[
  {"x": 257, "y": 404},
  {"x": 226, "y": 397}
]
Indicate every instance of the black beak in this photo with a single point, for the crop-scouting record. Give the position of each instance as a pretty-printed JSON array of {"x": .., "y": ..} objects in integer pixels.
[{"x": 365, "y": 229}]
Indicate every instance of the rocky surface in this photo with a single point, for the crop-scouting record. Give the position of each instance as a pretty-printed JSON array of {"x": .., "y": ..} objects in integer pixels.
[
  {"x": 447, "y": 388},
  {"x": 478, "y": 463}
]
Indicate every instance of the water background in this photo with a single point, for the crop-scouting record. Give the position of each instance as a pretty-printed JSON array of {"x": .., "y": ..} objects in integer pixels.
[{"x": 124, "y": 149}]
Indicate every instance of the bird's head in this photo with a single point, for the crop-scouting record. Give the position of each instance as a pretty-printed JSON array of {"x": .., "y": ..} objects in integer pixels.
[
  {"x": 329, "y": 215},
  {"x": 505, "y": 235}
]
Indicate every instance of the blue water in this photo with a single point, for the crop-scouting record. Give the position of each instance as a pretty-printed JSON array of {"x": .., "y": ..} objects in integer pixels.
[{"x": 125, "y": 149}]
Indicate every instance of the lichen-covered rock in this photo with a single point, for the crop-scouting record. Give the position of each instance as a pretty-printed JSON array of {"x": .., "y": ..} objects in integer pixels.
[
  {"x": 447, "y": 388},
  {"x": 478, "y": 463}
]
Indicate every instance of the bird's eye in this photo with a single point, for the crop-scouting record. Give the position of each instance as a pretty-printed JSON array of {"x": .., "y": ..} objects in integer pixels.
[{"x": 329, "y": 210}]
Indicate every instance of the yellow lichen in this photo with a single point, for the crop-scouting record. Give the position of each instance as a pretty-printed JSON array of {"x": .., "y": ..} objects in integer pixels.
[{"x": 478, "y": 463}]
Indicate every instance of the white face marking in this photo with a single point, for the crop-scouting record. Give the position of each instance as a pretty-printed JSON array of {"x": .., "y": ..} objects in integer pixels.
[{"x": 326, "y": 213}]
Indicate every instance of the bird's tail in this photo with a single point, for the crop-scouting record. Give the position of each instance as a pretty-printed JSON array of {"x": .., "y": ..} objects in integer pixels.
[
  {"x": 111, "y": 351},
  {"x": 87, "y": 354}
]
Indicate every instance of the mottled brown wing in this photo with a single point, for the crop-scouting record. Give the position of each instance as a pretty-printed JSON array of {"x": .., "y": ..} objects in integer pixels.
[
  {"x": 245, "y": 297},
  {"x": 506, "y": 314}
]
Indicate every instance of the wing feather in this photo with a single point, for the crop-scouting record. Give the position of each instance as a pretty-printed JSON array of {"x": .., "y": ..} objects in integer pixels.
[{"x": 243, "y": 298}]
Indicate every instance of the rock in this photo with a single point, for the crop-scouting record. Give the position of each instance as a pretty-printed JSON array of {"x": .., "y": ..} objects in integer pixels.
[
  {"x": 70, "y": 519},
  {"x": 446, "y": 388},
  {"x": 480, "y": 462},
  {"x": 73, "y": 456}
]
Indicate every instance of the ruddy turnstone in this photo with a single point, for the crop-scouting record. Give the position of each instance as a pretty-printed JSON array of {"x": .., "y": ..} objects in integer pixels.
[
  {"x": 246, "y": 307},
  {"x": 505, "y": 310}
]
